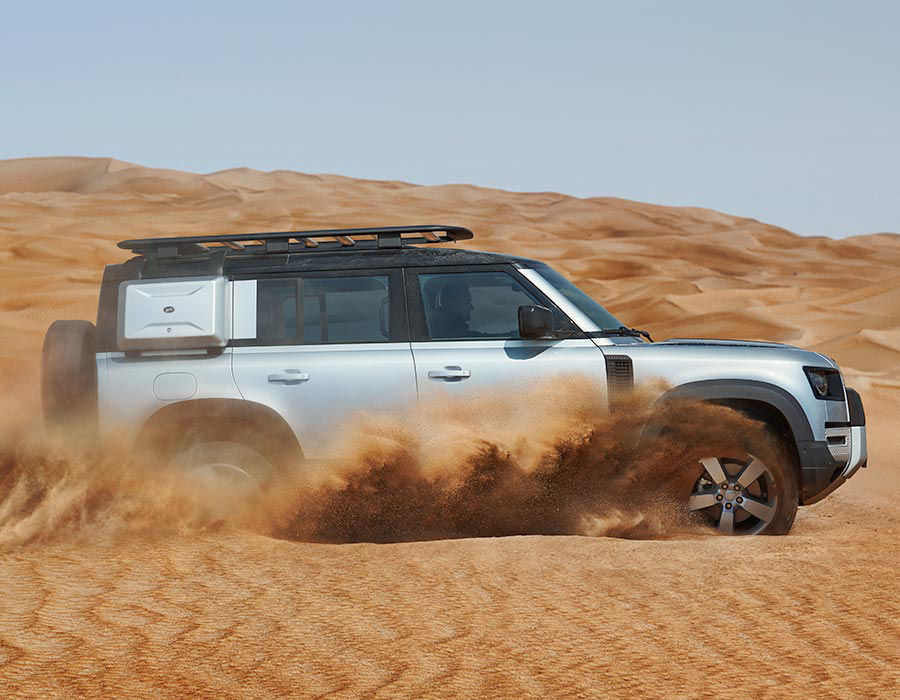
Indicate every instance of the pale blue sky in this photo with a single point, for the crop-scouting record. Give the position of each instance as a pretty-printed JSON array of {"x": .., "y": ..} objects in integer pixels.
[{"x": 788, "y": 112}]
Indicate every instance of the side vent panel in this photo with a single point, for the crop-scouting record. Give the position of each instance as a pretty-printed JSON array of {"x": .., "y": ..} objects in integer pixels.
[{"x": 619, "y": 376}]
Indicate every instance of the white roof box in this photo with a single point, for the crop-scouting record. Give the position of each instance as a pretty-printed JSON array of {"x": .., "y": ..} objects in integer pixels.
[{"x": 173, "y": 314}]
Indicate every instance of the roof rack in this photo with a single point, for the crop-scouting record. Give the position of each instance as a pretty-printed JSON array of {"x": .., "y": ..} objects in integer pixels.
[{"x": 298, "y": 241}]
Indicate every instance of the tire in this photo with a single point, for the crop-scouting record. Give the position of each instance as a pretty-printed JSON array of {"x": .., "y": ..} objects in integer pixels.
[
  {"x": 228, "y": 479},
  {"x": 229, "y": 456},
  {"x": 69, "y": 376},
  {"x": 747, "y": 492}
]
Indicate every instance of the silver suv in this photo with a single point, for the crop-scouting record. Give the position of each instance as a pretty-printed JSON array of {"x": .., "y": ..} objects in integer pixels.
[{"x": 241, "y": 351}]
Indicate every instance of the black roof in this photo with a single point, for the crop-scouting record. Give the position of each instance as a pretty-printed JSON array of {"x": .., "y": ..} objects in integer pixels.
[{"x": 328, "y": 249}]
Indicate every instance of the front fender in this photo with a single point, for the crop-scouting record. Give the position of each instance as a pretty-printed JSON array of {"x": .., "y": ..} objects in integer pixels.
[
  {"x": 748, "y": 390},
  {"x": 813, "y": 457}
]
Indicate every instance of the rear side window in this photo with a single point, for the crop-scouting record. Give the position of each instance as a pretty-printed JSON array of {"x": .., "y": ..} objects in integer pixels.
[
  {"x": 462, "y": 305},
  {"x": 316, "y": 310}
]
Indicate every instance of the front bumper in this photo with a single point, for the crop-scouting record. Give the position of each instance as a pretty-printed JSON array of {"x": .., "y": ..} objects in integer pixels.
[
  {"x": 859, "y": 452},
  {"x": 825, "y": 465}
]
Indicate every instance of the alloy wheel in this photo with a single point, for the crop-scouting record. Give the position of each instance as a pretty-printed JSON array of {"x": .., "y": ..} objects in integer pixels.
[{"x": 736, "y": 497}]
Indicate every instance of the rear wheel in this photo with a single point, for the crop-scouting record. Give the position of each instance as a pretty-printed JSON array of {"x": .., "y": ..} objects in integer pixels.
[
  {"x": 745, "y": 494},
  {"x": 229, "y": 477}
]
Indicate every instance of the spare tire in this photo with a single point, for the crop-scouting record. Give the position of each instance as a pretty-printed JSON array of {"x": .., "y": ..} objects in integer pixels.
[{"x": 69, "y": 375}]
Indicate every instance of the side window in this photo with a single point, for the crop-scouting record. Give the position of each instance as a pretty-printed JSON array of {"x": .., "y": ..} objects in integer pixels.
[
  {"x": 345, "y": 309},
  {"x": 276, "y": 311},
  {"x": 315, "y": 310},
  {"x": 462, "y": 305}
]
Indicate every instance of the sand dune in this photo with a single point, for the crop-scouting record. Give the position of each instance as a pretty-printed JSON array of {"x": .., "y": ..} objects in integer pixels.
[
  {"x": 672, "y": 270},
  {"x": 232, "y": 614}
]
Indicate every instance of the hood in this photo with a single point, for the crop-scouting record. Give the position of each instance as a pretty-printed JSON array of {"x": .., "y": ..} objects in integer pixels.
[
  {"x": 720, "y": 342},
  {"x": 705, "y": 349},
  {"x": 793, "y": 350}
]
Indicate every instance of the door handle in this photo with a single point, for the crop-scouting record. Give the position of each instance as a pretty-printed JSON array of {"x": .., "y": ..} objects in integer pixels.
[
  {"x": 451, "y": 372},
  {"x": 289, "y": 376}
]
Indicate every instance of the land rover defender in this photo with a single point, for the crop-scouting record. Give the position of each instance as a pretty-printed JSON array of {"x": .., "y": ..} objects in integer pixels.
[{"x": 239, "y": 351}]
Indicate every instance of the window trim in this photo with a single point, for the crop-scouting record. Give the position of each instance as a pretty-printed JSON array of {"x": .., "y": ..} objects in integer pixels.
[
  {"x": 399, "y": 327},
  {"x": 418, "y": 326}
]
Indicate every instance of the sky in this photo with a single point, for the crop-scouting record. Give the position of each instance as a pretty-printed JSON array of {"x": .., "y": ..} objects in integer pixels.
[{"x": 787, "y": 112}]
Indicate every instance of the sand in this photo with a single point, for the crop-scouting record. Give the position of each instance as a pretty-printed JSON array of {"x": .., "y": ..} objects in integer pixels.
[{"x": 234, "y": 614}]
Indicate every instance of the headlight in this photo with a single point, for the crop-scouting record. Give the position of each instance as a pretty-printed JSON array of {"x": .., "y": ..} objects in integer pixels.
[
  {"x": 819, "y": 383},
  {"x": 825, "y": 383}
]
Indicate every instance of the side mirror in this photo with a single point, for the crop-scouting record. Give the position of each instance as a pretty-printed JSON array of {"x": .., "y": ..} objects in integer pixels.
[{"x": 535, "y": 322}]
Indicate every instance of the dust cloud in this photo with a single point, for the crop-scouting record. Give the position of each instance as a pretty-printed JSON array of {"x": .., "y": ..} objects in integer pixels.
[
  {"x": 550, "y": 459},
  {"x": 55, "y": 489}
]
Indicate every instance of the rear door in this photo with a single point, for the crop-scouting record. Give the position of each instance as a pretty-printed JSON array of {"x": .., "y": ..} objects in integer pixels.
[
  {"x": 465, "y": 339},
  {"x": 327, "y": 345}
]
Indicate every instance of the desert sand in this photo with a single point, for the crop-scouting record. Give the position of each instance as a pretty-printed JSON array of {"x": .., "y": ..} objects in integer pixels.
[{"x": 224, "y": 612}]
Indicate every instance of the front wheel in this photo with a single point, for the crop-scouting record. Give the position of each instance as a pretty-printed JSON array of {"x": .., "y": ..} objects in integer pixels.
[{"x": 745, "y": 495}]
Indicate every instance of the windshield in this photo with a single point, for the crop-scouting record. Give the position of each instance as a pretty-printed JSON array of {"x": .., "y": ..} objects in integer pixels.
[{"x": 590, "y": 308}]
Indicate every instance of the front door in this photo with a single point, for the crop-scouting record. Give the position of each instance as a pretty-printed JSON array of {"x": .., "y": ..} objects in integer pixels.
[
  {"x": 327, "y": 346},
  {"x": 465, "y": 339}
]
